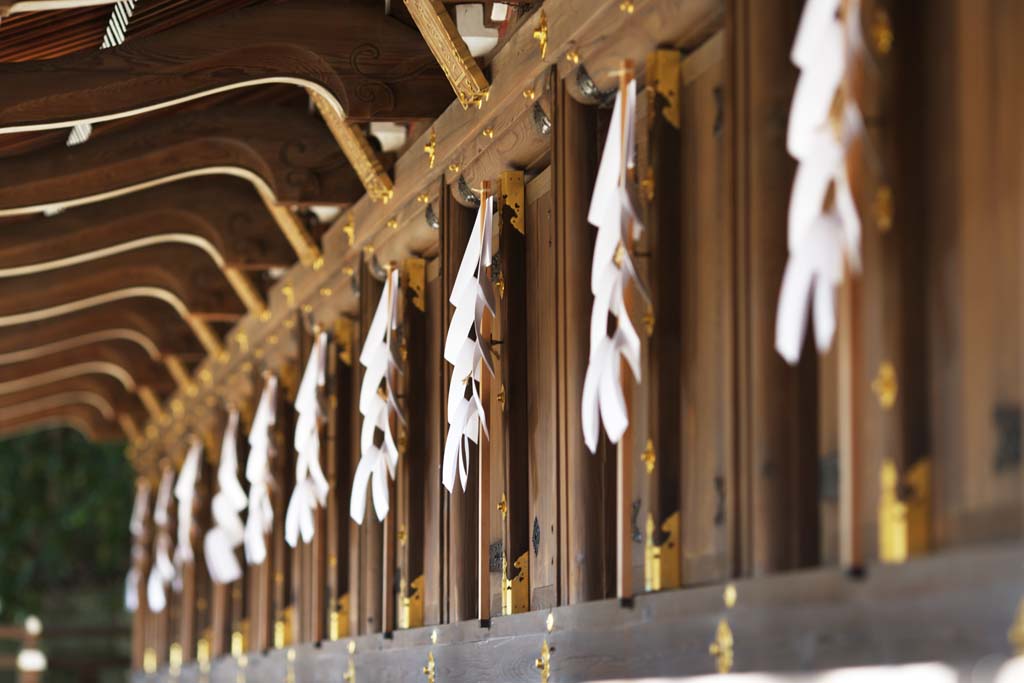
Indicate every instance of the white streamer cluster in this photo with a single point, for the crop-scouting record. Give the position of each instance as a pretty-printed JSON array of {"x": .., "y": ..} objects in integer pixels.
[
  {"x": 137, "y": 527},
  {"x": 260, "y": 518},
  {"x": 612, "y": 213},
  {"x": 377, "y": 404},
  {"x": 467, "y": 350},
  {"x": 311, "y": 485},
  {"x": 824, "y": 122},
  {"x": 185, "y": 492},
  {"x": 162, "y": 573},
  {"x": 228, "y": 532}
]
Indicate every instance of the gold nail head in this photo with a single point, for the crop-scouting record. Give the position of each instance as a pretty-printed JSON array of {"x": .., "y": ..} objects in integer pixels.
[
  {"x": 350, "y": 232},
  {"x": 488, "y": 133},
  {"x": 649, "y": 457},
  {"x": 433, "y": 636},
  {"x": 454, "y": 168},
  {"x": 530, "y": 94},
  {"x": 627, "y": 6},
  {"x": 572, "y": 56},
  {"x": 318, "y": 263},
  {"x": 729, "y": 596},
  {"x": 265, "y": 315},
  {"x": 549, "y": 623},
  {"x": 393, "y": 223},
  {"x": 273, "y": 339},
  {"x": 503, "y": 506},
  {"x": 325, "y": 291},
  {"x": 423, "y": 198},
  {"x": 883, "y": 208},
  {"x": 307, "y": 308},
  {"x": 881, "y": 31},
  {"x": 351, "y": 647},
  {"x": 885, "y": 385},
  {"x": 348, "y": 271}
]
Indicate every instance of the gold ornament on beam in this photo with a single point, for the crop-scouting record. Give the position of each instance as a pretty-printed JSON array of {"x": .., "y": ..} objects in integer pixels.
[
  {"x": 540, "y": 34},
  {"x": 430, "y": 149}
]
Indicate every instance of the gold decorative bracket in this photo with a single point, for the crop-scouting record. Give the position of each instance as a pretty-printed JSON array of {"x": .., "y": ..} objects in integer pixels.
[
  {"x": 893, "y": 542},
  {"x": 411, "y": 615},
  {"x": 661, "y": 560},
  {"x": 664, "y": 68},
  {"x": 357, "y": 149},
  {"x": 512, "y": 200},
  {"x": 723, "y": 646},
  {"x": 350, "y": 672},
  {"x": 515, "y": 591},
  {"x": 543, "y": 663},
  {"x": 430, "y": 670},
  {"x": 337, "y": 622},
  {"x": 450, "y": 51},
  {"x": 415, "y": 272}
]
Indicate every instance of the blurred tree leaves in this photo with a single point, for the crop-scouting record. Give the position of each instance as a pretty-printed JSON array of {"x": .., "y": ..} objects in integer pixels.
[{"x": 64, "y": 510}]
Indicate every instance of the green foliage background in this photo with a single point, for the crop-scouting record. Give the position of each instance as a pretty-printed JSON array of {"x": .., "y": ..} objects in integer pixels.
[{"x": 64, "y": 510}]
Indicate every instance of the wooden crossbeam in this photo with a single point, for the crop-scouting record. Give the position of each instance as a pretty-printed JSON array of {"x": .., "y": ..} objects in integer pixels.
[{"x": 450, "y": 51}]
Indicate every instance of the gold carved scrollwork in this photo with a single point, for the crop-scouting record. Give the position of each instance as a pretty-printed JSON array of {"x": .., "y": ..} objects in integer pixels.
[
  {"x": 450, "y": 51},
  {"x": 357, "y": 149}
]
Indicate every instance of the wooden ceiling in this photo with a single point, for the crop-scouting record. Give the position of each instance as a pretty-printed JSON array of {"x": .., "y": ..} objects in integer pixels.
[{"x": 168, "y": 224}]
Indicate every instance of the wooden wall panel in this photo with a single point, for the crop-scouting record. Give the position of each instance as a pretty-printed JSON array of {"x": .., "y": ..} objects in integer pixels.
[
  {"x": 371, "y": 532},
  {"x": 974, "y": 210},
  {"x": 586, "y": 481},
  {"x": 434, "y": 497},
  {"x": 462, "y": 555},
  {"x": 542, "y": 393},
  {"x": 771, "y": 484}
]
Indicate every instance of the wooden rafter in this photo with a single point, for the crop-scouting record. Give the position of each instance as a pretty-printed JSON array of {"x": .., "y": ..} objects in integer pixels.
[{"x": 450, "y": 51}]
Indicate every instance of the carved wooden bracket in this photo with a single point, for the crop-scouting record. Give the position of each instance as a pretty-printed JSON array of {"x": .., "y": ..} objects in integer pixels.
[{"x": 450, "y": 51}]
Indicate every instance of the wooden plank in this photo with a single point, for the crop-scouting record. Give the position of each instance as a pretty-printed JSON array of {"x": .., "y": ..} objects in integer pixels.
[
  {"x": 433, "y": 415},
  {"x": 587, "y": 570},
  {"x": 541, "y": 395},
  {"x": 771, "y": 484},
  {"x": 952, "y": 608}
]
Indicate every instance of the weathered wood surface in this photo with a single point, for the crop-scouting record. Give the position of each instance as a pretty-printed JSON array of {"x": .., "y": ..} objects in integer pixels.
[
  {"x": 953, "y": 607},
  {"x": 225, "y": 212},
  {"x": 369, "y": 64},
  {"x": 285, "y": 149},
  {"x": 170, "y": 268}
]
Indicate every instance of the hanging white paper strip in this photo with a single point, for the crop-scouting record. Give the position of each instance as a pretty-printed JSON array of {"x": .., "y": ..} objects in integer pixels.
[
  {"x": 137, "y": 528},
  {"x": 377, "y": 404},
  {"x": 311, "y": 485},
  {"x": 184, "y": 493},
  {"x": 162, "y": 572},
  {"x": 612, "y": 213},
  {"x": 820, "y": 238},
  {"x": 467, "y": 350},
  {"x": 260, "y": 518},
  {"x": 228, "y": 531}
]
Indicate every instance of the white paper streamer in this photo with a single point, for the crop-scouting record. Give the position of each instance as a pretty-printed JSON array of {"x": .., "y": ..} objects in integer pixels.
[
  {"x": 228, "y": 531},
  {"x": 137, "y": 527},
  {"x": 162, "y": 573},
  {"x": 612, "y": 212},
  {"x": 820, "y": 238},
  {"x": 311, "y": 486},
  {"x": 260, "y": 518},
  {"x": 184, "y": 493},
  {"x": 377, "y": 405},
  {"x": 467, "y": 350}
]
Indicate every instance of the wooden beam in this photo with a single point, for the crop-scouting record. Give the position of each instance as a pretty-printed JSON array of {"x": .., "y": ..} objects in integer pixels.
[
  {"x": 284, "y": 152},
  {"x": 349, "y": 52},
  {"x": 450, "y": 51},
  {"x": 158, "y": 330},
  {"x": 123, "y": 355},
  {"x": 81, "y": 418}
]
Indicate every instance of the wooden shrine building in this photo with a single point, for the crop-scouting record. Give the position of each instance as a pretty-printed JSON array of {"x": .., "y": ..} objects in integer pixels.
[{"x": 561, "y": 340}]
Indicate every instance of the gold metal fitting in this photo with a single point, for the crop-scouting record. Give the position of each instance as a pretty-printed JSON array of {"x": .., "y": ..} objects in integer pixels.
[
  {"x": 430, "y": 149},
  {"x": 423, "y": 198},
  {"x": 530, "y": 94},
  {"x": 488, "y": 133},
  {"x": 540, "y": 34},
  {"x": 393, "y": 223}
]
